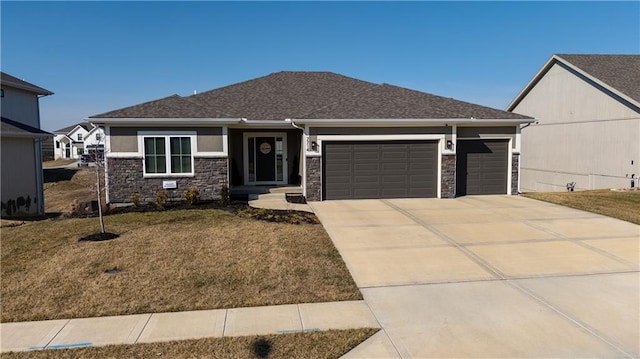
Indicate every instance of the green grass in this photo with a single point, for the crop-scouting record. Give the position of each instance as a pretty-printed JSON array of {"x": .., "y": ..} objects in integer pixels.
[
  {"x": 624, "y": 205},
  {"x": 327, "y": 344}
]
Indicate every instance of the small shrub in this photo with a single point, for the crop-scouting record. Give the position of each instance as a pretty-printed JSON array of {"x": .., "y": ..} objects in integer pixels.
[
  {"x": 225, "y": 195},
  {"x": 192, "y": 195},
  {"x": 135, "y": 199},
  {"x": 162, "y": 198}
]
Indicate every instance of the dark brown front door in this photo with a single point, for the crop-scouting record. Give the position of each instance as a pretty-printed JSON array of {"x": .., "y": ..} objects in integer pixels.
[{"x": 265, "y": 159}]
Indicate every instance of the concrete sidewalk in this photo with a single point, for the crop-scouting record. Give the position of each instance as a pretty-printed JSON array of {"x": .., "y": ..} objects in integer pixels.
[{"x": 157, "y": 327}]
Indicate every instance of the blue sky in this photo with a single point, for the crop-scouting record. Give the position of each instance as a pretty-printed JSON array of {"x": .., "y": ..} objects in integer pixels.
[{"x": 99, "y": 56}]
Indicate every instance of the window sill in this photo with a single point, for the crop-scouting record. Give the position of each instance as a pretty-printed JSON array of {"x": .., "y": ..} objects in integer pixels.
[{"x": 167, "y": 175}]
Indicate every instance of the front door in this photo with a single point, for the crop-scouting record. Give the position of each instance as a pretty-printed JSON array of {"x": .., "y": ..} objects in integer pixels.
[{"x": 265, "y": 158}]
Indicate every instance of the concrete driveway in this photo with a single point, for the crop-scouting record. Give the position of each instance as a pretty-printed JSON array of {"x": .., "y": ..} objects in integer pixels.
[{"x": 490, "y": 276}]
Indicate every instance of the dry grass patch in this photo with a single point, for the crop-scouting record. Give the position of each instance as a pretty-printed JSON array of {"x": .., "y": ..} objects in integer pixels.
[
  {"x": 64, "y": 186},
  {"x": 328, "y": 344},
  {"x": 58, "y": 162},
  {"x": 167, "y": 261},
  {"x": 617, "y": 204}
]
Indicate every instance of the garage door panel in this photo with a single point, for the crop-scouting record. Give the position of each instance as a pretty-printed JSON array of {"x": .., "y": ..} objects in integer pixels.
[
  {"x": 482, "y": 167},
  {"x": 380, "y": 169}
]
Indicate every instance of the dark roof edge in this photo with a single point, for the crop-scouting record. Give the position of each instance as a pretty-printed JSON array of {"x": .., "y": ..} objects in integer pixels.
[
  {"x": 13, "y": 81},
  {"x": 32, "y": 130}
]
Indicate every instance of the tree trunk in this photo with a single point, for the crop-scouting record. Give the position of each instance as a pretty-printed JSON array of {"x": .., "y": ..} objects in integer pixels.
[{"x": 99, "y": 191}]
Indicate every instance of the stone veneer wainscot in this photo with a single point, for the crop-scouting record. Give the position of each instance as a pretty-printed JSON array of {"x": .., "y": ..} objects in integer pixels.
[
  {"x": 126, "y": 179},
  {"x": 448, "y": 187},
  {"x": 314, "y": 178}
]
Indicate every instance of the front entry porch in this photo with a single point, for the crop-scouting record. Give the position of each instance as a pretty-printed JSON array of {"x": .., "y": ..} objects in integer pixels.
[{"x": 263, "y": 159}]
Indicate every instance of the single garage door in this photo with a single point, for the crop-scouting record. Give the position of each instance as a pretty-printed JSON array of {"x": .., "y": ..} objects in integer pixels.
[
  {"x": 481, "y": 167},
  {"x": 379, "y": 169}
]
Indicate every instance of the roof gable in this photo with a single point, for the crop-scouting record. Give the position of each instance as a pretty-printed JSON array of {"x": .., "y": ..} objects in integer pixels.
[
  {"x": 11, "y": 81},
  {"x": 67, "y": 130},
  {"x": 618, "y": 74}
]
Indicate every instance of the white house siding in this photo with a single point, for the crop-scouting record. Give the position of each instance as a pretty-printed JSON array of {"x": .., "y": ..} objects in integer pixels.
[
  {"x": 21, "y": 106},
  {"x": 19, "y": 188},
  {"x": 583, "y": 136}
]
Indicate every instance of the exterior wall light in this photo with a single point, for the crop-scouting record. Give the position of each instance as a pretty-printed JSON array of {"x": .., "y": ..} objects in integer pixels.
[{"x": 449, "y": 145}]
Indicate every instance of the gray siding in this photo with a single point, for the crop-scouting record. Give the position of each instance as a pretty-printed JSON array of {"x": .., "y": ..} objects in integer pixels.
[
  {"x": 125, "y": 139},
  {"x": 315, "y": 131},
  {"x": 19, "y": 181},
  {"x": 21, "y": 106},
  {"x": 472, "y": 133}
]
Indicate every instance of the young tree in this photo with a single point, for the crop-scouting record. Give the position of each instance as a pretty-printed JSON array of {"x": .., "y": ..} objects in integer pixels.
[{"x": 96, "y": 154}]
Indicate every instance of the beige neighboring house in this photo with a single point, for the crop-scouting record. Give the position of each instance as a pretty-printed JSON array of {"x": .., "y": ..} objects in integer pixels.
[
  {"x": 21, "y": 149},
  {"x": 588, "y": 128}
]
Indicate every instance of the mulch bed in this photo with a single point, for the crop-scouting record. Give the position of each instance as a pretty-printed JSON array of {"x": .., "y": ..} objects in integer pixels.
[
  {"x": 98, "y": 237},
  {"x": 241, "y": 209}
]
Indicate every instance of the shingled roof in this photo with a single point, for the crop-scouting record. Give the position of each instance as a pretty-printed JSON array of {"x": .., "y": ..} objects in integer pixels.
[
  {"x": 68, "y": 129},
  {"x": 621, "y": 72},
  {"x": 309, "y": 95},
  {"x": 10, "y": 128}
]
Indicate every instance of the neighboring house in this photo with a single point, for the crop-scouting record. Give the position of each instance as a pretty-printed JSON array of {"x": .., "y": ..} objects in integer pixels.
[
  {"x": 337, "y": 137},
  {"x": 22, "y": 180},
  {"x": 72, "y": 141},
  {"x": 588, "y": 128}
]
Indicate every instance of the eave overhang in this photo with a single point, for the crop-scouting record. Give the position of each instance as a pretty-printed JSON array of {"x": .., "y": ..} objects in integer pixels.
[{"x": 162, "y": 121}]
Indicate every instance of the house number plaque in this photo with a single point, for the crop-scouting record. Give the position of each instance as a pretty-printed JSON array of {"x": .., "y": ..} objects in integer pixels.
[{"x": 265, "y": 148}]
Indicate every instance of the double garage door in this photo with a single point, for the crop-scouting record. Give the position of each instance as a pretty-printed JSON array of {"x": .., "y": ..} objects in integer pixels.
[
  {"x": 402, "y": 169},
  {"x": 379, "y": 169}
]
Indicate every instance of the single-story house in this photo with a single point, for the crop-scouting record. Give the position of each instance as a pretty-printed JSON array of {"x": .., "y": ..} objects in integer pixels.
[
  {"x": 587, "y": 132},
  {"x": 75, "y": 140},
  {"x": 21, "y": 138},
  {"x": 337, "y": 137}
]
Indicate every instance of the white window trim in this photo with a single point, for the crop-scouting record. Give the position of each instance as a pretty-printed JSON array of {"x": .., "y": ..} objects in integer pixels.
[{"x": 167, "y": 136}]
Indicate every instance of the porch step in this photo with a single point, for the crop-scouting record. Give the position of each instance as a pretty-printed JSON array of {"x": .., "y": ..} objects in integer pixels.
[
  {"x": 290, "y": 189},
  {"x": 276, "y": 201}
]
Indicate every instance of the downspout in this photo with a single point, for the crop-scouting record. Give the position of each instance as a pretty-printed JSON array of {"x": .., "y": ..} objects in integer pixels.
[
  {"x": 303, "y": 159},
  {"x": 39, "y": 173},
  {"x": 519, "y": 159},
  {"x": 37, "y": 143}
]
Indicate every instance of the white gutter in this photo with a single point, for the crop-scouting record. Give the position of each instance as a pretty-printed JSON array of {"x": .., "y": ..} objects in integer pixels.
[
  {"x": 414, "y": 121},
  {"x": 265, "y": 122}
]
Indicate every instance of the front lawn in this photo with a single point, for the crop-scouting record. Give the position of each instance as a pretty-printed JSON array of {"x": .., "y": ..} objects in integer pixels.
[
  {"x": 327, "y": 344},
  {"x": 166, "y": 261},
  {"x": 623, "y": 205}
]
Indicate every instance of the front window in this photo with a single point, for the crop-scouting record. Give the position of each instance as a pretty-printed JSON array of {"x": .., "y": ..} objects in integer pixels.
[
  {"x": 79, "y": 137},
  {"x": 57, "y": 144},
  {"x": 98, "y": 137},
  {"x": 168, "y": 155},
  {"x": 80, "y": 151}
]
